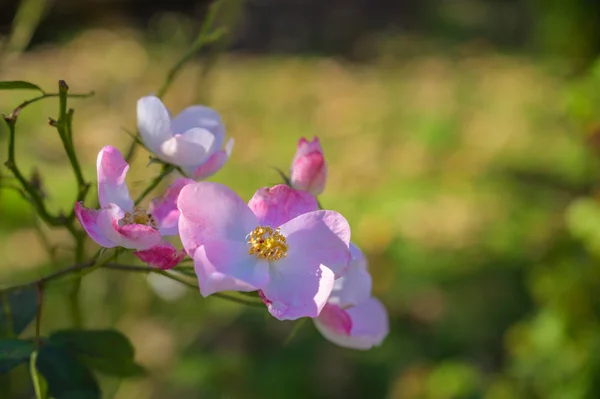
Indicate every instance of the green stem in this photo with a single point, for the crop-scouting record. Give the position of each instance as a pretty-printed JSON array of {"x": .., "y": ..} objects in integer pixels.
[
  {"x": 33, "y": 194},
  {"x": 74, "y": 304},
  {"x": 221, "y": 295},
  {"x": 16, "y": 111},
  {"x": 87, "y": 267},
  {"x": 39, "y": 383},
  {"x": 165, "y": 171},
  {"x": 63, "y": 125},
  {"x": 83, "y": 268},
  {"x": 203, "y": 38},
  {"x": 232, "y": 11}
]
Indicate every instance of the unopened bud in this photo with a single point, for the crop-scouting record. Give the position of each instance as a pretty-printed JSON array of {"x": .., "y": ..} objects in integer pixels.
[{"x": 309, "y": 170}]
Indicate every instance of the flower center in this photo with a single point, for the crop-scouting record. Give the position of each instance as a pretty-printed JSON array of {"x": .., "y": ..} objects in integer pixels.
[
  {"x": 267, "y": 243},
  {"x": 139, "y": 216}
]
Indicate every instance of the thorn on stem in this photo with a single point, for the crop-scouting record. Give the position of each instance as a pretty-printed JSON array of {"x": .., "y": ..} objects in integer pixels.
[
  {"x": 11, "y": 118},
  {"x": 52, "y": 122},
  {"x": 36, "y": 182},
  {"x": 62, "y": 85}
]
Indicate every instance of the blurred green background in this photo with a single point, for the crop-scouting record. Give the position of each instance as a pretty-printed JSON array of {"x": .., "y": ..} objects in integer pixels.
[{"x": 462, "y": 140}]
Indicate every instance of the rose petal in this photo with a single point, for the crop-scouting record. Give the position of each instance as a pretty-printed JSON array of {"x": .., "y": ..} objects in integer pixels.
[
  {"x": 164, "y": 256},
  {"x": 200, "y": 116},
  {"x": 309, "y": 173},
  {"x": 306, "y": 147},
  {"x": 138, "y": 236},
  {"x": 279, "y": 204},
  {"x": 133, "y": 236},
  {"x": 297, "y": 289},
  {"x": 335, "y": 319},
  {"x": 309, "y": 170},
  {"x": 112, "y": 169},
  {"x": 164, "y": 209},
  {"x": 320, "y": 237},
  {"x": 154, "y": 122},
  {"x": 370, "y": 326},
  {"x": 212, "y": 212},
  {"x": 108, "y": 223},
  {"x": 226, "y": 266},
  {"x": 213, "y": 164},
  {"x": 89, "y": 221},
  {"x": 355, "y": 286},
  {"x": 190, "y": 148}
]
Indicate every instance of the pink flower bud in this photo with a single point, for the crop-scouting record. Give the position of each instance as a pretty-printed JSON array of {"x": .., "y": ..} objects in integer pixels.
[{"x": 309, "y": 170}]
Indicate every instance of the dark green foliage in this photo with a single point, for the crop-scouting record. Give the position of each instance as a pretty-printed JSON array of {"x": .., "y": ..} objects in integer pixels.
[
  {"x": 67, "y": 377},
  {"x": 106, "y": 351},
  {"x": 68, "y": 358},
  {"x": 17, "y": 310},
  {"x": 13, "y": 352},
  {"x": 19, "y": 85}
]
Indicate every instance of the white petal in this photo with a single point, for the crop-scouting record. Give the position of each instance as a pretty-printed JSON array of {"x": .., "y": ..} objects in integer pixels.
[
  {"x": 190, "y": 148},
  {"x": 154, "y": 122},
  {"x": 203, "y": 117}
]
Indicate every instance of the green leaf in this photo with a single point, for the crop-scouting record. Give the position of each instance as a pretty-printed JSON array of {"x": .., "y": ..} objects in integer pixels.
[
  {"x": 106, "y": 351},
  {"x": 66, "y": 376},
  {"x": 114, "y": 367},
  {"x": 17, "y": 310},
  {"x": 13, "y": 352},
  {"x": 19, "y": 85},
  {"x": 39, "y": 382}
]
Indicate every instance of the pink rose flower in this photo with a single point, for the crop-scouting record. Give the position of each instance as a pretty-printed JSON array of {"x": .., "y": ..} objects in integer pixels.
[
  {"x": 118, "y": 223},
  {"x": 245, "y": 248}
]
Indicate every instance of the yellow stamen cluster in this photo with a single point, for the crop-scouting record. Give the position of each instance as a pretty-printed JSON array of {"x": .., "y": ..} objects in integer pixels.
[
  {"x": 139, "y": 216},
  {"x": 267, "y": 243}
]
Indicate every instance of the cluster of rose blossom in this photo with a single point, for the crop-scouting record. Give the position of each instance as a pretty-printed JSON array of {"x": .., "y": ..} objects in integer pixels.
[{"x": 298, "y": 258}]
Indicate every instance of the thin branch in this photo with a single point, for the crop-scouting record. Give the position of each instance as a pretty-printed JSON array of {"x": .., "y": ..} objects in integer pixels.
[
  {"x": 204, "y": 37},
  {"x": 64, "y": 127},
  {"x": 50, "y": 277},
  {"x": 34, "y": 194},
  {"x": 16, "y": 111},
  {"x": 65, "y": 131},
  {"x": 177, "y": 278},
  {"x": 87, "y": 267},
  {"x": 241, "y": 301}
]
